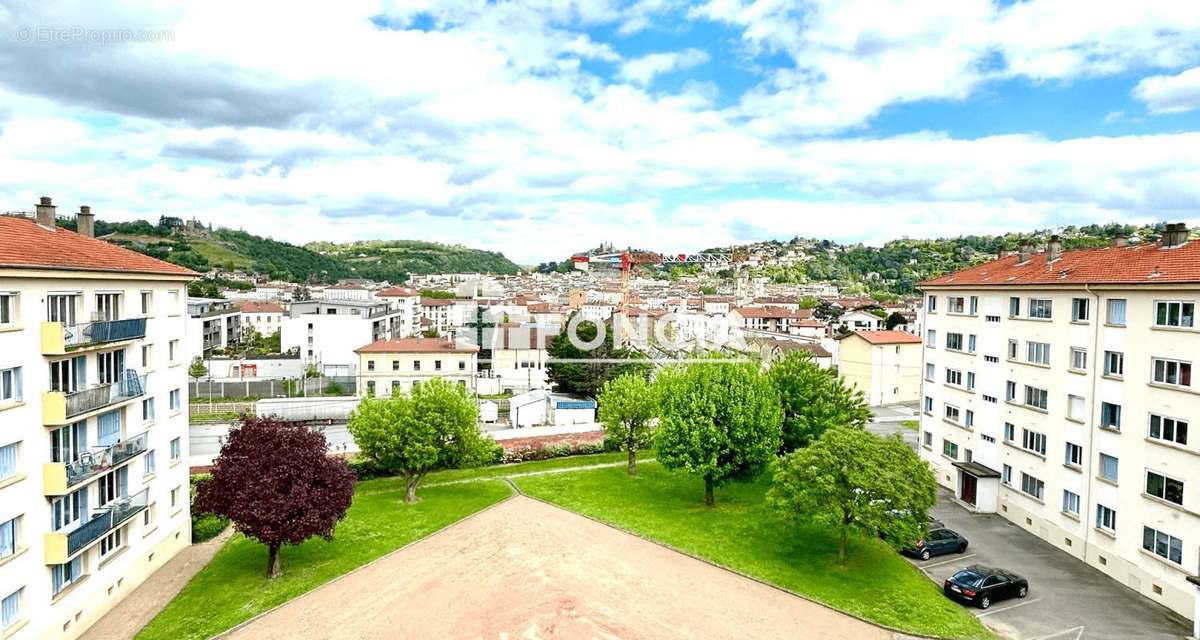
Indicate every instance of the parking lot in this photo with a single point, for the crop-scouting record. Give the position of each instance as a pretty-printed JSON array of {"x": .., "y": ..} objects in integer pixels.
[{"x": 1067, "y": 599}]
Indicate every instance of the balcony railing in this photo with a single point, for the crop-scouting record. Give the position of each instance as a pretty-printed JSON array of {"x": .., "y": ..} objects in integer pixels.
[
  {"x": 130, "y": 386},
  {"x": 104, "y": 331},
  {"x": 111, "y": 516},
  {"x": 98, "y": 461}
]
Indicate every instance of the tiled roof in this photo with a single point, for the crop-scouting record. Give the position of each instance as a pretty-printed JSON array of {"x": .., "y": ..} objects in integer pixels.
[
  {"x": 26, "y": 244},
  {"x": 416, "y": 345},
  {"x": 1134, "y": 264},
  {"x": 520, "y": 338},
  {"x": 770, "y": 312},
  {"x": 397, "y": 292},
  {"x": 250, "y": 306},
  {"x": 886, "y": 337},
  {"x": 436, "y": 302}
]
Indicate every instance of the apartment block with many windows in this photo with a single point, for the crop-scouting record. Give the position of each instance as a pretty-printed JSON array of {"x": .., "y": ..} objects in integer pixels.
[
  {"x": 93, "y": 423},
  {"x": 1058, "y": 392}
]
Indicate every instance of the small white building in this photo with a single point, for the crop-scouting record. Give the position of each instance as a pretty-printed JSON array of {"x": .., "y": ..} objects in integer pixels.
[
  {"x": 264, "y": 317},
  {"x": 541, "y": 408}
]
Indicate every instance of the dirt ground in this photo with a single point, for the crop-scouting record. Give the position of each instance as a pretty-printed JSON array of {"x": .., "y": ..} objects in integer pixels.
[{"x": 524, "y": 569}]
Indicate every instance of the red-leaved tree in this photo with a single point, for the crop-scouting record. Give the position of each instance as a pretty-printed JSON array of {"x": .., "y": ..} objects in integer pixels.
[{"x": 274, "y": 481}]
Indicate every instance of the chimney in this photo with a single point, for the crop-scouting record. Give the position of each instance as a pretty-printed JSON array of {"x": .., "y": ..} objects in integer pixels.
[
  {"x": 45, "y": 212},
  {"x": 1120, "y": 240},
  {"x": 85, "y": 222},
  {"x": 1024, "y": 252},
  {"x": 1176, "y": 235},
  {"x": 1053, "y": 249}
]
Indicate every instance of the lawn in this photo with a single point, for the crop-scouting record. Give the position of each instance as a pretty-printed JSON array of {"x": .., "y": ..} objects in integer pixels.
[
  {"x": 233, "y": 587},
  {"x": 500, "y": 470},
  {"x": 911, "y": 425},
  {"x": 742, "y": 533}
]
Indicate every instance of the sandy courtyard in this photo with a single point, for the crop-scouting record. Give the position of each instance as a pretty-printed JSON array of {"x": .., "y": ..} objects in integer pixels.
[{"x": 524, "y": 569}]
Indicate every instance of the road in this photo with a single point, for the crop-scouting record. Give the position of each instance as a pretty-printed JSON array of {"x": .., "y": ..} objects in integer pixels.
[{"x": 890, "y": 420}]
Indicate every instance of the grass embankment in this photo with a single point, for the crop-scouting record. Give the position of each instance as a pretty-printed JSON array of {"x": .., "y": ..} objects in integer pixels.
[
  {"x": 741, "y": 532},
  {"x": 233, "y": 587}
]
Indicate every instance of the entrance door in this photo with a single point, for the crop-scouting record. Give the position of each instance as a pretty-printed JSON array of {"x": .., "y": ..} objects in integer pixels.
[{"x": 967, "y": 488}]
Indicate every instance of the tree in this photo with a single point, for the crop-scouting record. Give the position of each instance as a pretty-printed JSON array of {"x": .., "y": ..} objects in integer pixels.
[
  {"x": 275, "y": 482},
  {"x": 814, "y": 400},
  {"x": 895, "y": 320},
  {"x": 856, "y": 482},
  {"x": 430, "y": 333},
  {"x": 584, "y": 371},
  {"x": 434, "y": 426},
  {"x": 827, "y": 311},
  {"x": 197, "y": 370},
  {"x": 718, "y": 420},
  {"x": 627, "y": 405}
]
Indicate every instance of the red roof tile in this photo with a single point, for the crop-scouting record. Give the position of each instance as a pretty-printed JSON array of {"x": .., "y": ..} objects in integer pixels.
[
  {"x": 886, "y": 337},
  {"x": 26, "y": 244},
  {"x": 416, "y": 345},
  {"x": 1134, "y": 264},
  {"x": 250, "y": 306},
  {"x": 397, "y": 292}
]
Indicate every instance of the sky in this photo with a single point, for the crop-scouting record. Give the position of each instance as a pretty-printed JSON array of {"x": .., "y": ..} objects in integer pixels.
[{"x": 542, "y": 128}]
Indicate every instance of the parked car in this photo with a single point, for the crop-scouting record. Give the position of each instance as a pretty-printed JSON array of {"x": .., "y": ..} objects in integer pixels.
[
  {"x": 981, "y": 586},
  {"x": 938, "y": 542}
]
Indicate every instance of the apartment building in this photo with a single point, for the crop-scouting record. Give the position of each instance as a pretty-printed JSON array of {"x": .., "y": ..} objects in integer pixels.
[
  {"x": 385, "y": 365},
  {"x": 408, "y": 302},
  {"x": 213, "y": 325},
  {"x": 1058, "y": 392},
  {"x": 884, "y": 365},
  {"x": 264, "y": 317},
  {"x": 326, "y": 332},
  {"x": 93, "y": 423}
]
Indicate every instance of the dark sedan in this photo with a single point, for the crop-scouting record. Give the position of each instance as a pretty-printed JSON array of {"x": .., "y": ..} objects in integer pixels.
[
  {"x": 981, "y": 586},
  {"x": 936, "y": 543}
]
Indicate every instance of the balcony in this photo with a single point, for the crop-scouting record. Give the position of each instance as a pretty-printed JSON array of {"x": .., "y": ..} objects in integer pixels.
[
  {"x": 58, "y": 477},
  {"x": 60, "y": 408},
  {"x": 59, "y": 339},
  {"x": 62, "y": 545}
]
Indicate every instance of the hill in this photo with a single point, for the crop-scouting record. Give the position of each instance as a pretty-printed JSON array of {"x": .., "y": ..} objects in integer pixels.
[{"x": 412, "y": 256}]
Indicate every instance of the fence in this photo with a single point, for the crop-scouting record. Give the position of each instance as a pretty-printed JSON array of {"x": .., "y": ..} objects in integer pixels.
[{"x": 273, "y": 387}]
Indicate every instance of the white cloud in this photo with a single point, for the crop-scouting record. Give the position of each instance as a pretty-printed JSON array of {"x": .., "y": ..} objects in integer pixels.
[
  {"x": 1170, "y": 94},
  {"x": 643, "y": 70}
]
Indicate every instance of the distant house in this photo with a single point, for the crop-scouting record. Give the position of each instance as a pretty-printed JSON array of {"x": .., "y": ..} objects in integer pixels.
[
  {"x": 541, "y": 408},
  {"x": 388, "y": 365},
  {"x": 884, "y": 365}
]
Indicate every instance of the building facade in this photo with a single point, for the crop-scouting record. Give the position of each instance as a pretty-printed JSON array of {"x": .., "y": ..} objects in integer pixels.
[
  {"x": 1058, "y": 392},
  {"x": 884, "y": 365},
  {"x": 326, "y": 333},
  {"x": 386, "y": 365},
  {"x": 93, "y": 424}
]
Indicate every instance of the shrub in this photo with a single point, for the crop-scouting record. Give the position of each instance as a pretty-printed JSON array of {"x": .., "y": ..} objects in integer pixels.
[
  {"x": 205, "y": 526},
  {"x": 528, "y": 453},
  {"x": 365, "y": 468}
]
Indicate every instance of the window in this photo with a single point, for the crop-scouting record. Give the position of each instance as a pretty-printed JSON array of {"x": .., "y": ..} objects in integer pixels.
[
  {"x": 1174, "y": 313},
  {"x": 987, "y": 398},
  {"x": 1033, "y": 441},
  {"x": 176, "y": 450},
  {"x": 416, "y": 365},
  {"x": 110, "y": 543},
  {"x": 8, "y": 461},
  {"x": 1010, "y": 390},
  {"x": 437, "y": 365},
  {"x": 928, "y": 405},
  {"x": 930, "y": 371},
  {"x": 149, "y": 463},
  {"x": 954, "y": 341},
  {"x": 173, "y": 400},
  {"x": 1164, "y": 488},
  {"x": 1014, "y": 307},
  {"x": 1168, "y": 429},
  {"x": 987, "y": 438},
  {"x": 1032, "y": 486},
  {"x": 969, "y": 418},
  {"x": 8, "y": 308},
  {"x": 64, "y": 575},
  {"x": 108, "y": 306},
  {"x": 147, "y": 302},
  {"x": 462, "y": 364},
  {"x": 1037, "y": 352},
  {"x": 1173, "y": 372},
  {"x": 951, "y": 413},
  {"x": 1079, "y": 309},
  {"x": 173, "y": 352},
  {"x": 931, "y": 304},
  {"x": 174, "y": 497},
  {"x": 62, "y": 308},
  {"x": 970, "y": 380},
  {"x": 148, "y": 410},
  {"x": 992, "y": 318},
  {"x": 949, "y": 449},
  {"x": 974, "y": 305},
  {"x": 1162, "y": 544},
  {"x": 148, "y": 516},
  {"x": 1010, "y": 432},
  {"x": 1040, "y": 308},
  {"x": 370, "y": 365},
  {"x": 1106, "y": 518},
  {"x": 10, "y": 609},
  {"x": 1116, "y": 312},
  {"x": 1012, "y": 349},
  {"x": 1114, "y": 363},
  {"x": 147, "y": 355},
  {"x": 1074, "y": 455},
  {"x": 1110, "y": 416},
  {"x": 1036, "y": 397},
  {"x": 1108, "y": 467},
  {"x": 1075, "y": 410},
  {"x": 8, "y": 538},
  {"x": 954, "y": 377},
  {"x": 395, "y": 365},
  {"x": 1079, "y": 358},
  {"x": 10, "y": 385},
  {"x": 1070, "y": 503},
  {"x": 371, "y": 388},
  {"x": 173, "y": 299},
  {"x": 992, "y": 359},
  {"x": 955, "y": 304},
  {"x": 928, "y": 439},
  {"x": 970, "y": 343},
  {"x": 1006, "y": 474}
]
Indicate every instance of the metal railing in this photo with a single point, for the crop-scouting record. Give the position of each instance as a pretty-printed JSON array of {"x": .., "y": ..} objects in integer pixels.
[
  {"x": 104, "y": 331},
  {"x": 130, "y": 386},
  {"x": 111, "y": 516},
  {"x": 91, "y": 463}
]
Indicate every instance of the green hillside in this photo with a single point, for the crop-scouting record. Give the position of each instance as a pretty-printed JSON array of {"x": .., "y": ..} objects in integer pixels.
[{"x": 412, "y": 256}]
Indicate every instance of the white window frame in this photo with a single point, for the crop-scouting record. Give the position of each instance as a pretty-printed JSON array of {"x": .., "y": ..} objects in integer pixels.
[
  {"x": 1106, "y": 518},
  {"x": 1166, "y": 367},
  {"x": 1165, "y": 479},
  {"x": 1079, "y": 358},
  {"x": 1172, "y": 544},
  {"x": 1102, "y": 472},
  {"x": 1114, "y": 364},
  {"x": 1163, "y": 421},
  {"x": 1037, "y": 353},
  {"x": 1073, "y": 455},
  {"x": 1071, "y": 502},
  {"x": 1110, "y": 306},
  {"x": 1033, "y": 442},
  {"x": 1080, "y": 308},
  {"x": 1034, "y": 393},
  {"x": 1037, "y": 485},
  {"x": 1041, "y": 308},
  {"x": 1182, "y": 321}
]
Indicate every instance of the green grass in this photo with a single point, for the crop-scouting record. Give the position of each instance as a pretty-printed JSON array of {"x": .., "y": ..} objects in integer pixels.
[
  {"x": 233, "y": 587},
  {"x": 742, "y": 533},
  {"x": 501, "y": 470},
  {"x": 220, "y": 254},
  {"x": 911, "y": 425}
]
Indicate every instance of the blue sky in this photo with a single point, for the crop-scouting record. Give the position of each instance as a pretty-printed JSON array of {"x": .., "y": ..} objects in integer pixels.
[{"x": 545, "y": 127}]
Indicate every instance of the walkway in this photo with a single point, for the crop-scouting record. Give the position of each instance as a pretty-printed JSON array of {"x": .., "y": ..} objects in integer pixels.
[{"x": 527, "y": 569}]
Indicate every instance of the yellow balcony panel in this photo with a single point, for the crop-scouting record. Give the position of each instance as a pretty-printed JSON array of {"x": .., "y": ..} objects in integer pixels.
[
  {"x": 54, "y": 479},
  {"x": 53, "y": 343},
  {"x": 56, "y": 548},
  {"x": 54, "y": 408}
]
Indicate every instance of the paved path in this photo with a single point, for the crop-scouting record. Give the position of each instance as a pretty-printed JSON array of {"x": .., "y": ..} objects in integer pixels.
[
  {"x": 525, "y": 569},
  {"x": 152, "y": 596}
]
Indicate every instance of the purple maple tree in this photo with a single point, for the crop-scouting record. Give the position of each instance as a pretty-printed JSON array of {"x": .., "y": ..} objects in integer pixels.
[{"x": 274, "y": 480}]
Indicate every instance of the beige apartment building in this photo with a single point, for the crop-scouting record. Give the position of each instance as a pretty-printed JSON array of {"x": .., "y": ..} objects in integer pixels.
[
  {"x": 385, "y": 365},
  {"x": 93, "y": 423},
  {"x": 884, "y": 365},
  {"x": 1059, "y": 393}
]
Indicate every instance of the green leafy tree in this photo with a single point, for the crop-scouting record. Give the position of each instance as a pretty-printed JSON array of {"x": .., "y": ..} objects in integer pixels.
[
  {"x": 412, "y": 434},
  {"x": 856, "y": 482},
  {"x": 814, "y": 400},
  {"x": 627, "y": 405},
  {"x": 584, "y": 371},
  {"x": 895, "y": 320},
  {"x": 197, "y": 370},
  {"x": 719, "y": 420}
]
